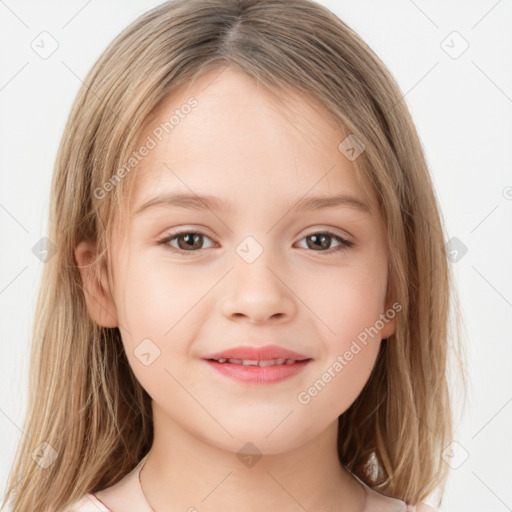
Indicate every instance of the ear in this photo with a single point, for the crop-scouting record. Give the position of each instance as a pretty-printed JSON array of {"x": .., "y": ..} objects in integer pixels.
[
  {"x": 389, "y": 327},
  {"x": 100, "y": 303},
  {"x": 391, "y": 311}
]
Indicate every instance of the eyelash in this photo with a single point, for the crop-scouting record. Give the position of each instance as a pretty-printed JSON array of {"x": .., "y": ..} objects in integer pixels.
[{"x": 344, "y": 244}]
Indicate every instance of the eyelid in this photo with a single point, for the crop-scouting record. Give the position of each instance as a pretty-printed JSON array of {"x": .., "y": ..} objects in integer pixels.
[
  {"x": 305, "y": 232},
  {"x": 327, "y": 229},
  {"x": 166, "y": 239},
  {"x": 345, "y": 243}
]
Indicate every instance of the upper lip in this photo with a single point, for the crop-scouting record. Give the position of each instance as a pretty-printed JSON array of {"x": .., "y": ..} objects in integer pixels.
[{"x": 257, "y": 353}]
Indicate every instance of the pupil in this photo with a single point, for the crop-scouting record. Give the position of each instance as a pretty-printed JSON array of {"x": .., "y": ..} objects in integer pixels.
[
  {"x": 191, "y": 240},
  {"x": 322, "y": 239}
]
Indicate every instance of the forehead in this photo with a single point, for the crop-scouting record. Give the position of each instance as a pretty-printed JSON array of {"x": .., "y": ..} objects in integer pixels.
[{"x": 227, "y": 135}]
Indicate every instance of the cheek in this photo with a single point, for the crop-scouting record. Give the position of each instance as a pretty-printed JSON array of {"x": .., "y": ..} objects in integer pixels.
[
  {"x": 349, "y": 302},
  {"x": 340, "y": 379},
  {"x": 347, "y": 299},
  {"x": 156, "y": 297},
  {"x": 157, "y": 307}
]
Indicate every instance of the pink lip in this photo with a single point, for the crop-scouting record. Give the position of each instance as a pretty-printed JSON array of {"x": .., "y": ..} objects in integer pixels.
[
  {"x": 258, "y": 374},
  {"x": 257, "y": 353}
]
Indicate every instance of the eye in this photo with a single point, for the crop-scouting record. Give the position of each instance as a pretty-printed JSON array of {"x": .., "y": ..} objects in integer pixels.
[
  {"x": 323, "y": 239},
  {"x": 188, "y": 241},
  {"x": 192, "y": 241}
]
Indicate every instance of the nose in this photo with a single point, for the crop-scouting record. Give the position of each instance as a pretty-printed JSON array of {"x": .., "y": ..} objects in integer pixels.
[{"x": 259, "y": 294}]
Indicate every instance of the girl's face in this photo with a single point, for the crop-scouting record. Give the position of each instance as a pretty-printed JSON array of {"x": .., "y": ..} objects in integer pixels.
[{"x": 254, "y": 270}]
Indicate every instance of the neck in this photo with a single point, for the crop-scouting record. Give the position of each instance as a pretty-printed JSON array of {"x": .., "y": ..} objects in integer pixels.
[{"x": 183, "y": 472}]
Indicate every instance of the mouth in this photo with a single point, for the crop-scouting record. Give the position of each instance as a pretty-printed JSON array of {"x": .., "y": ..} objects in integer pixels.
[
  {"x": 267, "y": 354},
  {"x": 255, "y": 362},
  {"x": 265, "y": 365}
]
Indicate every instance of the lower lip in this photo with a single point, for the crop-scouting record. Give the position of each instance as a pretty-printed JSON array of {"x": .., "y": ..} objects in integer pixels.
[{"x": 259, "y": 374}]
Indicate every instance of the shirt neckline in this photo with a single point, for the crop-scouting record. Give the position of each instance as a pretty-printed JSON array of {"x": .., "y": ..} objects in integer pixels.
[
  {"x": 129, "y": 495},
  {"x": 130, "y": 483}
]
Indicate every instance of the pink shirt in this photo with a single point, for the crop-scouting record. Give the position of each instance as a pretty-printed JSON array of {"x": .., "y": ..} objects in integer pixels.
[{"x": 134, "y": 501}]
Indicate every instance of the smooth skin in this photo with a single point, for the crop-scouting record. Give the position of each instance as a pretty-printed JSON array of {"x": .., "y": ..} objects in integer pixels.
[{"x": 246, "y": 147}]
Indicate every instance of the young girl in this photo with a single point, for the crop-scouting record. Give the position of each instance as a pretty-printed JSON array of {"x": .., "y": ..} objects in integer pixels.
[{"x": 248, "y": 305}]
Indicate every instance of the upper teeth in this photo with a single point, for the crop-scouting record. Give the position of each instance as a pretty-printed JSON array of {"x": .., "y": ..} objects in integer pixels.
[{"x": 255, "y": 362}]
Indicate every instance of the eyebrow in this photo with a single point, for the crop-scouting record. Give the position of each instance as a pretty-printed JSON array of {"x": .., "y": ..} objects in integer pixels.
[{"x": 208, "y": 202}]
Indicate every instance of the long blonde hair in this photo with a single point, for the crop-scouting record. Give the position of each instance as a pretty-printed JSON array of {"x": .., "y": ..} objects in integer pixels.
[{"x": 84, "y": 400}]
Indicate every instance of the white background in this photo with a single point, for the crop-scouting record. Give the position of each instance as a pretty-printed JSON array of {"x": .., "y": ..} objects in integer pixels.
[{"x": 461, "y": 106}]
